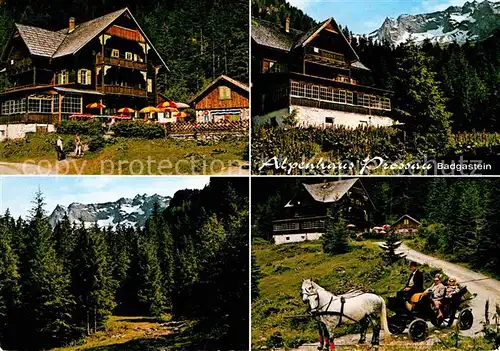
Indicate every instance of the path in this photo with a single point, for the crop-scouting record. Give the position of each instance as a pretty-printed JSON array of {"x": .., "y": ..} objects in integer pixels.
[
  {"x": 10, "y": 168},
  {"x": 485, "y": 289}
]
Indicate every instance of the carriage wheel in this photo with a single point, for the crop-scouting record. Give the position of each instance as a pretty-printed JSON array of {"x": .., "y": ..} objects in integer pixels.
[
  {"x": 465, "y": 319},
  {"x": 418, "y": 330},
  {"x": 397, "y": 324}
]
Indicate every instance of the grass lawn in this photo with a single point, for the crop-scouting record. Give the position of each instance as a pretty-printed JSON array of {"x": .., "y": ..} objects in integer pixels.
[
  {"x": 133, "y": 334},
  {"x": 131, "y": 156},
  {"x": 284, "y": 267}
]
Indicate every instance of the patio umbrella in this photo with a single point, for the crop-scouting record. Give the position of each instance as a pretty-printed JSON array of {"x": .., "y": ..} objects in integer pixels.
[
  {"x": 181, "y": 105},
  {"x": 126, "y": 110},
  {"x": 167, "y": 104},
  {"x": 351, "y": 226},
  {"x": 149, "y": 109},
  {"x": 168, "y": 109},
  {"x": 96, "y": 105},
  {"x": 182, "y": 115}
]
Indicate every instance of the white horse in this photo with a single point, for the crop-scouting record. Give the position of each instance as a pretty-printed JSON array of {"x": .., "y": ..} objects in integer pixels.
[{"x": 356, "y": 308}]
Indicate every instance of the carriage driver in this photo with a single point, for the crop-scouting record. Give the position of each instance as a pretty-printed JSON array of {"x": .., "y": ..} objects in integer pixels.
[
  {"x": 438, "y": 292},
  {"x": 415, "y": 282}
]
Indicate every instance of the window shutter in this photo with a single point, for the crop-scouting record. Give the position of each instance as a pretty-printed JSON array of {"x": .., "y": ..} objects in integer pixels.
[
  {"x": 79, "y": 77},
  {"x": 89, "y": 77}
]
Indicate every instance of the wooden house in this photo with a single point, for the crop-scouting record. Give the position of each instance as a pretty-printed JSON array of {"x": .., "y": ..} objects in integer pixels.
[
  {"x": 406, "y": 226},
  {"x": 317, "y": 73},
  {"x": 305, "y": 214},
  {"x": 224, "y": 99},
  {"x": 54, "y": 74}
]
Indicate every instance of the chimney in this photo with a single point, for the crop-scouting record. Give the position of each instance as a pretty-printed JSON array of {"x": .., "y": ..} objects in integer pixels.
[
  {"x": 71, "y": 24},
  {"x": 287, "y": 24}
]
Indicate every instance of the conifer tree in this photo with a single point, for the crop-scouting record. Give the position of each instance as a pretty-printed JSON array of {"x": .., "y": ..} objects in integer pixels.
[
  {"x": 420, "y": 103},
  {"x": 335, "y": 239},
  {"x": 47, "y": 304},
  {"x": 92, "y": 282},
  {"x": 390, "y": 246},
  {"x": 64, "y": 239}
]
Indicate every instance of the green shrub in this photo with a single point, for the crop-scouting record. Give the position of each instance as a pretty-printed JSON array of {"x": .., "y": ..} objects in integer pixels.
[
  {"x": 138, "y": 129},
  {"x": 74, "y": 127},
  {"x": 97, "y": 143}
]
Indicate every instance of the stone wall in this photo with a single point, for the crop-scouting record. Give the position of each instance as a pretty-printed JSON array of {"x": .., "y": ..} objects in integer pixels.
[{"x": 296, "y": 238}]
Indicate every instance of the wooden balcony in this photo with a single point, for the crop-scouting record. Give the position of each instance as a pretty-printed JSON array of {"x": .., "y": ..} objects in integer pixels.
[
  {"x": 325, "y": 58},
  {"x": 119, "y": 62},
  {"x": 120, "y": 90},
  {"x": 126, "y": 33},
  {"x": 45, "y": 118}
]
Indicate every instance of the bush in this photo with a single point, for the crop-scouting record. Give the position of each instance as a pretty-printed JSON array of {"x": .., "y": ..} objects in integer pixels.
[
  {"x": 138, "y": 129},
  {"x": 97, "y": 143},
  {"x": 81, "y": 127}
]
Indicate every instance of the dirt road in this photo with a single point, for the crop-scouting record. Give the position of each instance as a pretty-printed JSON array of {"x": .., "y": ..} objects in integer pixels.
[{"x": 485, "y": 288}]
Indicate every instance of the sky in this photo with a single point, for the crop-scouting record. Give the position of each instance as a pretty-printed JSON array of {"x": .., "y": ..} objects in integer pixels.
[
  {"x": 16, "y": 193},
  {"x": 365, "y": 16}
]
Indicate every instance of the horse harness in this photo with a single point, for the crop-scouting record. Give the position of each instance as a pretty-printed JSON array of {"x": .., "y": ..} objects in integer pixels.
[{"x": 333, "y": 313}]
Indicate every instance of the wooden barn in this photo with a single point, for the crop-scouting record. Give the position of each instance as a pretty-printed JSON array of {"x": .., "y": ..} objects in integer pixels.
[
  {"x": 316, "y": 73},
  {"x": 406, "y": 226},
  {"x": 224, "y": 99},
  {"x": 304, "y": 215},
  {"x": 53, "y": 74}
]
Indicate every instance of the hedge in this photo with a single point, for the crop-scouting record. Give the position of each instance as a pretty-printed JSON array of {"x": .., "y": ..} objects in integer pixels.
[
  {"x": 138, "y": 129},
  {"x": 81, "y": 127}
]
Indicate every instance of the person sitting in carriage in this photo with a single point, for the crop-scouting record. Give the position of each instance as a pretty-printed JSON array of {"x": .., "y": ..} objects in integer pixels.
[
  {"x": 438, "y": 291},
  {"x": 452, "y": 288},
  {"x": 415, "y": 283}
]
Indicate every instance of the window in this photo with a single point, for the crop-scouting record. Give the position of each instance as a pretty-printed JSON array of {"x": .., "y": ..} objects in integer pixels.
[
  {"x": 224, "y": 93},
  {"x": 330, "y": 120},
  {"x": 287, "y": 238},
  {"x": 40, "y": 103},
  {"x": 63, "y": 77},
  {"x": 129, "y": 56},
  {"x": 11, "y": 107},
  {"x": 115, "y": 53},
  {"x": 85, "y": 77},
  {"x": 72, "y": 104},
  {"x": 285, "y": 226},
  {"x": 315, "y": 224},
  {"x": 150, "y": 85},
  {"x": 136, "y": 57},
  {"x": 406, "y": 222}
]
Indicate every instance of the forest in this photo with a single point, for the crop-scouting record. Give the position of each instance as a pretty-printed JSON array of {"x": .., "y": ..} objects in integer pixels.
[
  {"x": 190, "y": 261},
  {"x": 460, "y": 216},
  {"x": 199, "y": 39}
]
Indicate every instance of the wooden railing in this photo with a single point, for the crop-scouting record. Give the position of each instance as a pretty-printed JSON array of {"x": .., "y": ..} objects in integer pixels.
[
  {"x": 325, "y": 57},
  {"x": 118, "y": 89},
  {"x": 119, "y": 62}
]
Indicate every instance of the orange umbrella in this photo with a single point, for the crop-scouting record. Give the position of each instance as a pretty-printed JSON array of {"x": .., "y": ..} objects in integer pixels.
[
  {"x": 96, "y": 105},
  {"x": 126, "y": 110},
  {"x": 149, "y": 109},
  {"x": 182, "y": 115},
  {"x": 167, "y": 104}
]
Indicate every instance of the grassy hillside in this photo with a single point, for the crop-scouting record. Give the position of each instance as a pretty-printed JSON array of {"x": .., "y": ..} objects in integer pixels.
[
  {"x": 193, "y": 157},
  {"x": 284, "y": 267}
]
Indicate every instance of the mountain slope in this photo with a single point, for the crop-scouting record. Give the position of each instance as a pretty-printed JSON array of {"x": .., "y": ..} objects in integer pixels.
[
  {"x": 127, "y": 212},
  {"x": 473, "y": 21}
]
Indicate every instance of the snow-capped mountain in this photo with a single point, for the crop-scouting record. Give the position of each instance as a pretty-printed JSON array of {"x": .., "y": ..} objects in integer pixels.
[
  {"x": 128, "y": 212},
  {"x": 473, "y": 21}
]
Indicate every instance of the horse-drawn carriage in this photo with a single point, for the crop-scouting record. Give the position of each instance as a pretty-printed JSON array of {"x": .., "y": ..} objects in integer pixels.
[{"x": 422, "y": 309}]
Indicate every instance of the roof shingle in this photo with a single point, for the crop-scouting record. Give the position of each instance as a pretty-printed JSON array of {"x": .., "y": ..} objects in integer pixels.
[
  {"x": 330, "y": 191},
  {"x": 40, "y": 42}
]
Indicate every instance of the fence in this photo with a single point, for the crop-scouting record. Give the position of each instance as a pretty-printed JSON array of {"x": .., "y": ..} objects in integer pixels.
[{"x": 223, "y": 126}]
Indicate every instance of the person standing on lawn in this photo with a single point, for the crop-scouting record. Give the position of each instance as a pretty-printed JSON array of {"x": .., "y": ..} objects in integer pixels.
[{"x": 59, "y": 149}]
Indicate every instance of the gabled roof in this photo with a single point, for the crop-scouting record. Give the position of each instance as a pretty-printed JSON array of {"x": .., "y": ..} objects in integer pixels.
[
  {"x": 85, "y": 32},
  {"x": 55, "y": 44},
  {"x": 222, "y": 77},
  {"x": 40, "y": 42},
  {"x": 330, "y": 191},
  {"x": 274, "y": 36},
  {"x": 407, "y": 217}
]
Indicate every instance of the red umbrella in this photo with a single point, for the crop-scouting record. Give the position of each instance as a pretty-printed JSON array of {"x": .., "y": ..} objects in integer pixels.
[
  {"x": 126, "y": 110},
  {"x": 168, "y": 109},
  {"x": 182, "y": 115},
  {"x": 81, "y": 115}
]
